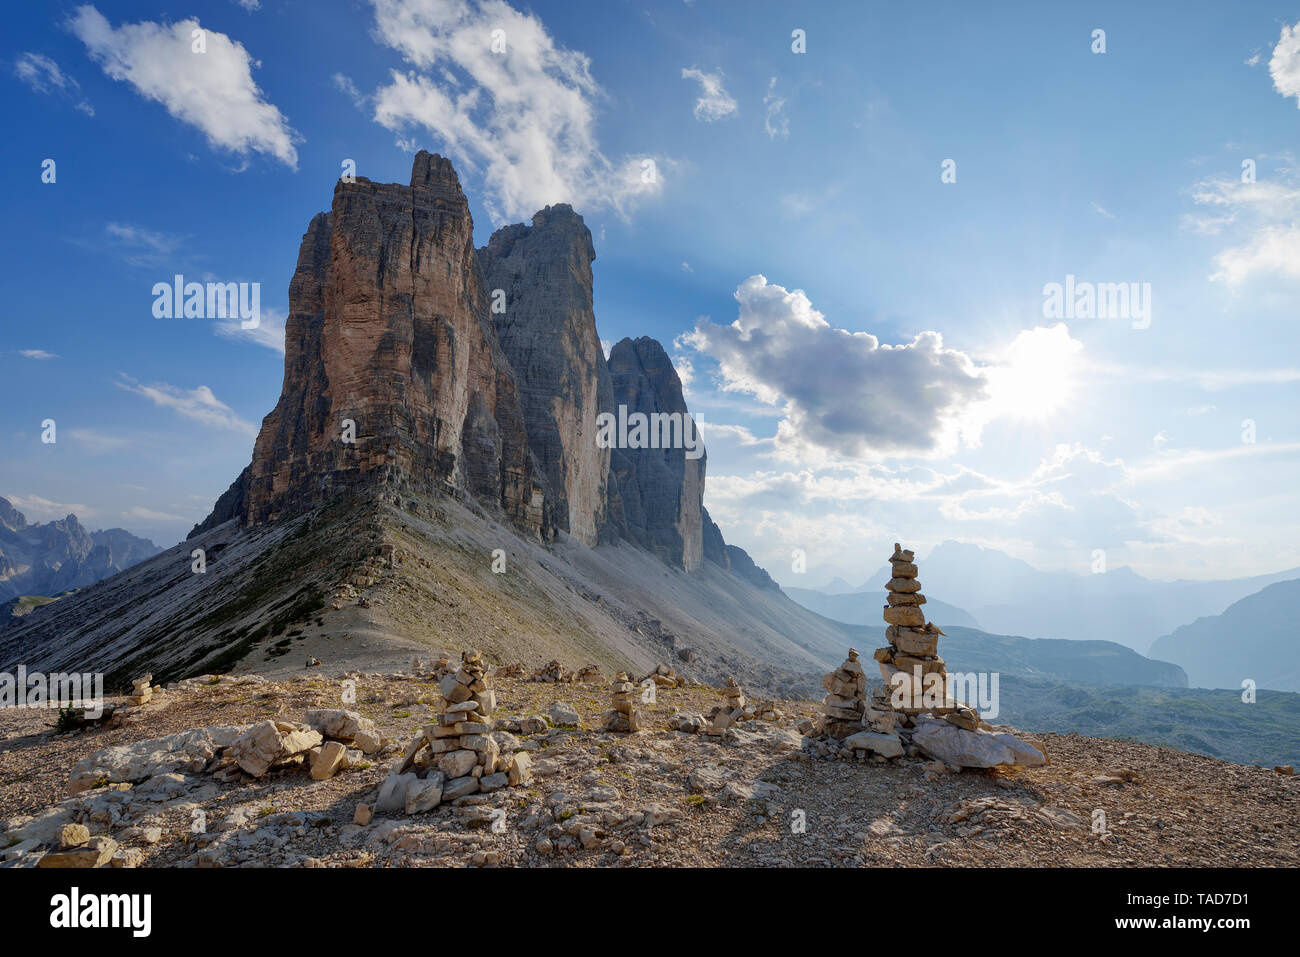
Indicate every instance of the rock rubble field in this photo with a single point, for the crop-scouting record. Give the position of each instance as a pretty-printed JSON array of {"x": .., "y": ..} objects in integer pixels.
[{"x": 221, "y": 771}]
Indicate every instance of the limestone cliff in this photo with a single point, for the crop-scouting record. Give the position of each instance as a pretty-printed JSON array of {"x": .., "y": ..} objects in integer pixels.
[
  {"x": 392, "y": 371},
  {"x": 415, "y": 362},
  {"x": 660, "y": 490},
  {"x": 538, "y": 279}
]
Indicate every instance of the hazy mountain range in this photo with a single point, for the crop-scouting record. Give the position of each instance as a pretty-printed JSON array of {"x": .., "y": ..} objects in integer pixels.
[
  {"x": 1006, "y": 595},
  {"x": 863, "y": 607},
  {"x": 1254, "y": 638},
  {"x": 53, "y": 557}
]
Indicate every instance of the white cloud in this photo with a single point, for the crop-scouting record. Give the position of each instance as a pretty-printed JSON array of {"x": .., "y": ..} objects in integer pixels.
[
  {"x": 1101, "y": 210},
  {"x": 97, "y": 442},
  {"x": 775, "y": 122},
  {"x": 524, "y": 118},
  {"x": 1274, "y": 249},
  {"x": 1284, "y": 66},
  {"x": 1259, "y": 217},
  {"x": 714, "y": 102},
  {"x": 36, "y": 354},
  {"x": 139, "y": 246},
  {"x": 44, "y": 76},
  {"x": 38, "y": 509},
  {"x": 250, "y": 5},
  {"x": 149, "y": 515},
  {"x": 269, "y": 332},
  {"x": 797, "y": 204},
  {"x": 198, "y": 404},
  {"x": 345, "y": 85},
  {"x": 213, "y": 91},
  {"x": 844, "y": 393},
  {"x": 1212, "y": 380}
]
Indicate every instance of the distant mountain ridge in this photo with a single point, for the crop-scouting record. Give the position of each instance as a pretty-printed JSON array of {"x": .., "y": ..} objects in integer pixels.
[
  {"x": 1009, "y": 596},
  {"x": 863, "y": 608},
  {"x": 45, "y": 559},
  {"x": 1255, "y": 638}
]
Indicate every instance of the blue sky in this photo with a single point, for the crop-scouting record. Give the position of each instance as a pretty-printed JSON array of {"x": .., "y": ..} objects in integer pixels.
[{"x": 819, "y": 171}]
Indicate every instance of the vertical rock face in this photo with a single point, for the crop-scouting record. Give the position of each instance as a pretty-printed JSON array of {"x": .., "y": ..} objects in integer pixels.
[
  {"x": 659, "y": 491},
  {"x": 388, "y": 329},
  {"x": 399, "y": 371},
  {"x": 715, "y": 548},
  {"x": 547, "y": 328}
]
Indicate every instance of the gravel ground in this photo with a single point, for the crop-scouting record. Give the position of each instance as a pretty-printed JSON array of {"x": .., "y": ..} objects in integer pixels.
[{"x": 656, "y": 798}]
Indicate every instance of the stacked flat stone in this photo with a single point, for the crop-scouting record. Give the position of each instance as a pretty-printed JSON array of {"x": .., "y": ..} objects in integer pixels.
[
  {"x": 764, "y": 711},
  {"x": 461, "y": 744},
  {"x": 142, "y": 690},
  {"x": 588, "y": 672},
  {"x": 458, "y": 755},
  {"x": 664, "y": 677},
  {"x": 735, "y": 696},
  {"x": 622, "y": 716},
  {"x": 723, "y": 717},
  {"x": 553, "y": 672},
  {"x": 846, "y": 698},
  {"x": 913, "y": 642}
]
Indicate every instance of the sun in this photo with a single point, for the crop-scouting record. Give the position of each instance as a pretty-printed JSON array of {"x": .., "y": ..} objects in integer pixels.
[{"x": 1034, "y": 377}]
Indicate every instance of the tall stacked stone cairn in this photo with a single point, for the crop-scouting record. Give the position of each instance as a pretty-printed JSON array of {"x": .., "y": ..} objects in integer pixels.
[
  {"x": 458, "y": 755},
  {"x": 924, "y": 720},
  {"x": 622, "y": 716},
  {"x": 913, "y": 646}
]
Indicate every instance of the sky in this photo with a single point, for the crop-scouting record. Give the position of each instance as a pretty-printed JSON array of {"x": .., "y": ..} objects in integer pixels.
[{"x": 844, "y": 221}]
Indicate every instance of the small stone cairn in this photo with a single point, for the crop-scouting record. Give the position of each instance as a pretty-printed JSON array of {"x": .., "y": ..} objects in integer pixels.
[
  {"x": 846, "y": 699},
  {"x": 588, "y": 673},
  {"x": 722, "y": 717},
  {"x": 143, "y": 690},
  {"x": 553, "y": 672},
  {"x": 664, "y": 677},
  {"x": 622, "y": 716}
]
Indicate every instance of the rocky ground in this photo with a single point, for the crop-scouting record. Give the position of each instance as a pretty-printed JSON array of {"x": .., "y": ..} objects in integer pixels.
[{"x": 753, "y": 797}]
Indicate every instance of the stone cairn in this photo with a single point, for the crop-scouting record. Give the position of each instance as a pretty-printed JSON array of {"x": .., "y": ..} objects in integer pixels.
[
  {"x": 622, "y": 716},
  {"x": 509, "y": 671},
  {"x": 764, "y": 711},
  {"x": 722, "y": 717},
  {"x": 913, "y": 649},
  {"x": 588, "y": 672},
  {"x": 552, "y": 672},
  {"x": 458, "y": 756},
  {"x": 846, "y": 699},
  {"x": 143, "y": 690},
  {"x": 924, "y": 721},
  {"x": 664, "y": 677}
]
